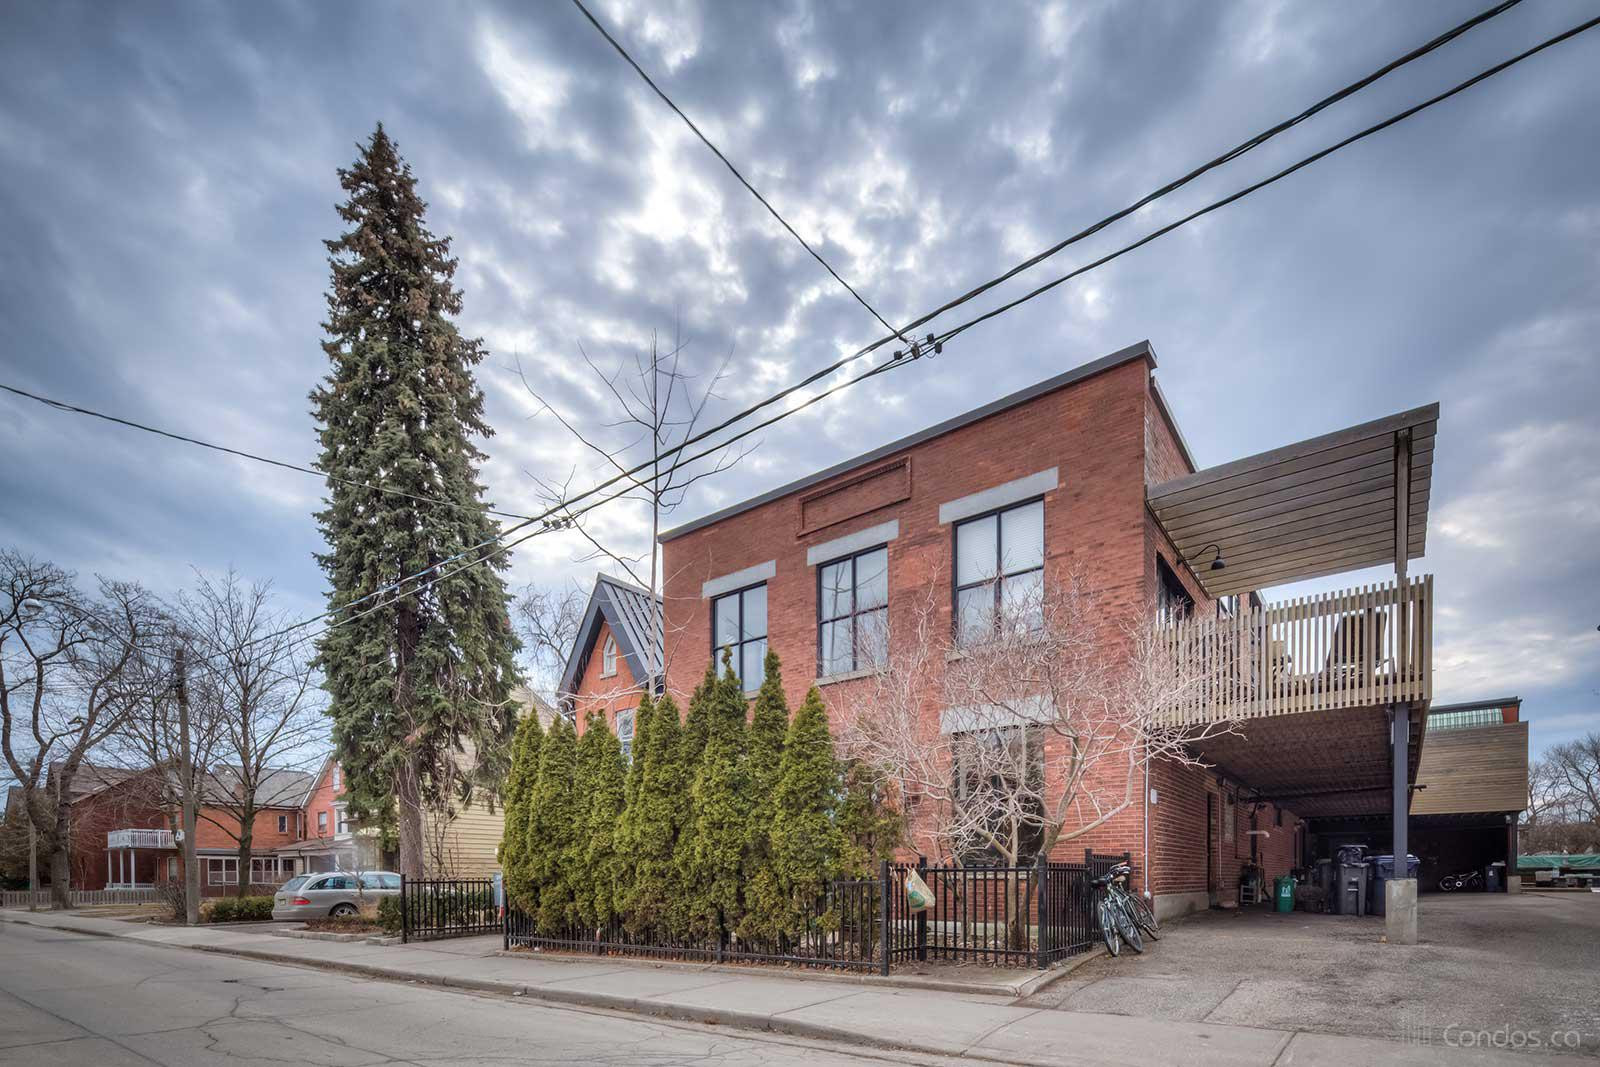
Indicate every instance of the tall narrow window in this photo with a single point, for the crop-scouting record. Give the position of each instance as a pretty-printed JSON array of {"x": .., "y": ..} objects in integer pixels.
[
  {"x": 1173, "y": 601},
  {"x": 853, "y": 612},
  {"x": 322, "y": 822},
  {"x": 338, "y": 779},
  {"x": 608, "y": 658},
  {"x": 1000, "y": 571},
  {"x": 625, "y": 734},
  {"x": 739, "y": 623},
  {"x": 283, "y": 824}
]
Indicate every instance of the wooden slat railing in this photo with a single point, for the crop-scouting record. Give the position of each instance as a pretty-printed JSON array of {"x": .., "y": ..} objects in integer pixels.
[{"x": 1333, "y": 650}]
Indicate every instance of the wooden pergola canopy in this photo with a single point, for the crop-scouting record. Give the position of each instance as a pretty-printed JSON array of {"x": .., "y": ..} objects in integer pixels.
[{"x": 1322, "y": 506}]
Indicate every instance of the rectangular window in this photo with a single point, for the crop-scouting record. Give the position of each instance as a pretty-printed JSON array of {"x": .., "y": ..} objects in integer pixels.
[
  {"x": 999, "y": 777},
  {"x": 1173, "y": 601},
  {"x": 999, "y": 568},
  {"x": 625, "y": 734},
  {"x": 322, "y": 822},
  {"x": 739, "y": 623},
  {"x": 338, "y": 779},
  {"x": 283, "y": 824},
  {"x": 342, "y": 822},
  {"x": 222, "y": 870},
  {"x": 853, "y": 612}
]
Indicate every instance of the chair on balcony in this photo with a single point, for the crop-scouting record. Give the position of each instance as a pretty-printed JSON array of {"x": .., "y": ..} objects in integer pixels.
[{"x": 1348, "y": 665}]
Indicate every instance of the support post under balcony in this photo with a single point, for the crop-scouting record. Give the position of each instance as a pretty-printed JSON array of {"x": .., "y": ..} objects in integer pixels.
[{"x": 1400, "y": 904}]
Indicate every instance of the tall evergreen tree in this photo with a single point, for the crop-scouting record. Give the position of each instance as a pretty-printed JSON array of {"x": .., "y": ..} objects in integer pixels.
[
  {"x": 627, "y": 836},
  {"x": 688, "y": 912},
  {"x": 518, "y": 801},
  {"x": 603, "y": 862},
  {"x": 807, "y": 846},
  {"x": 869, "y": 826},
  {"x": 551, "y": 827},
  {"x": 411, "y": 676},
  {"x": 769, "y": 721},
  {"x": 721, "y": 795},
  {"x": 656, "y": 819}
]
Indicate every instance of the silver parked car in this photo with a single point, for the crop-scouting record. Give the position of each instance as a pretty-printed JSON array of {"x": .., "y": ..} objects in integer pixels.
[{"x": 316, "y": 896}]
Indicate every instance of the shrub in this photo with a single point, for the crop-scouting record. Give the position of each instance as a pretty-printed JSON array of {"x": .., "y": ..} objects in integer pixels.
[
  {"x": 389, "y": 914},
  {"x": 240, "y": 910}
]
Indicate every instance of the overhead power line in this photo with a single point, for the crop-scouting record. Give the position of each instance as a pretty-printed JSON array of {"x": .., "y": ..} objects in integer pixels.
[
  {"x": 61, "y": 405},
  {"x": 950, "y": 334},
  {"x": 561, "y": 514},
  {"x": 918, "y": 348},
  {"x": 623, "y": 52}
]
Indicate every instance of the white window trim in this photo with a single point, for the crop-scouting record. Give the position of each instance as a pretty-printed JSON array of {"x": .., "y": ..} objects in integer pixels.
[
  {"x": 1000, "y": 496},
  {"x": 283, "y": 824},
  {"x": 853, "y": 544},
  {"x": 633, "y": 728},
  {"x": 608, "y": 658},
  {"x": 223, "y": 864},
  {"x": 728, "y": 583}
]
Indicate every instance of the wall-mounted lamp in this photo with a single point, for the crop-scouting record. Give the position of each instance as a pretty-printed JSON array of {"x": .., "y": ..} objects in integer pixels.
[{"x": 1216, "y": 564}]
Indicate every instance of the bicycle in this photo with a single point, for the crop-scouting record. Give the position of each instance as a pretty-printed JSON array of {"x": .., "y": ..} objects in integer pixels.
[{"x": 1121, "y": 914}]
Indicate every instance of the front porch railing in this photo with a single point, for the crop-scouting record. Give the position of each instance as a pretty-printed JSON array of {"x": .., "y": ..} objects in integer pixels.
[
  {"x": 1334, "y": 650},
  {"x": 141, "y": 839}
]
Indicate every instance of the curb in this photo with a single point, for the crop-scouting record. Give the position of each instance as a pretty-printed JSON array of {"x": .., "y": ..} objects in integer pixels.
[
  {"x": 1010, "y": 990},
  {"x": 640, "y": 1006},
  {"x": 741, "y": 1020}
]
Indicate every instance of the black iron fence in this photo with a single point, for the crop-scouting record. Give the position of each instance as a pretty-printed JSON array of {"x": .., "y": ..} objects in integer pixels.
[
  {"x": 438, "y": 907},
  {"x": 1028, "y": 916}
]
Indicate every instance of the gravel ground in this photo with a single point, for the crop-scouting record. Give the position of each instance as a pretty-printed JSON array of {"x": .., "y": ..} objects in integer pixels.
[{"x": 1527, "y": 964}]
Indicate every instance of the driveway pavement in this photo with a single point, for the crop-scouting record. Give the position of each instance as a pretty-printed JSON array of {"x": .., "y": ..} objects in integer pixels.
[{"x": 1527, "y": 964}]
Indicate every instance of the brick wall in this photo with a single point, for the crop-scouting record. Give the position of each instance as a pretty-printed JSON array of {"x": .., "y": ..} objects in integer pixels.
[
  {"x": 1093, "y": 431},
  {"x": 620, "y": 692}
]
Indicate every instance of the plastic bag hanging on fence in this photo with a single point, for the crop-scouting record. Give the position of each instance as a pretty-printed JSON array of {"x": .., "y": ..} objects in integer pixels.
[{"x": 918, "y": 896}]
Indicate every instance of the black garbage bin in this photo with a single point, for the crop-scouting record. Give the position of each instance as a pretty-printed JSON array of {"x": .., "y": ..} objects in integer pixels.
[
  {"x": 1382, "y": 871},
  {"x": 1492, "y": 878}
]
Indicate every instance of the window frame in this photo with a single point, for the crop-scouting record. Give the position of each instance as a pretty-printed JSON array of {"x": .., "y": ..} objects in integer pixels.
[
  {"x": 633, "y": 725},
  {"x": 341, "y": 821},
  {"x": 855, "y": 611},
  {"x": 283, "y": 824},
  {"x": 322, "y": 822},
  {"x": 216, "y": 865},
  {"x": 1000, "y": 576},
  {"x": 608, "y": 657},
  {"x": 1174, "y": 602},
  {"x": 738, "y": 646}
]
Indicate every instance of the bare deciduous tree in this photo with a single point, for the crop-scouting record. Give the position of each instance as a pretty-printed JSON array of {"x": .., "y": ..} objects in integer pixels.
[
  {"x": 1036, "y": 732},
  {"x": 547, "y": 621},
  {"x": 268, "y": 719},
  {"x": 656, "y": 407},
  {"x": 67, "y": 683}
]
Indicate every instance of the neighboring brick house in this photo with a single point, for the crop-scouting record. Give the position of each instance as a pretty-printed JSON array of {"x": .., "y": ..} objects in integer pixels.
[
  {"x": 613, "y": 657},
  {"x": 1087, "y": 474}
]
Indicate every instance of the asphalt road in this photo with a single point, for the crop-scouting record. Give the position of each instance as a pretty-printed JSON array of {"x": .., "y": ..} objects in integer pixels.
[{"x": 76, "y": 999}]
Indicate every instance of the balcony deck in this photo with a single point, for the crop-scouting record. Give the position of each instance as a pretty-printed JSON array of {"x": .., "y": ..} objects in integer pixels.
[
  {"x": 1311, "y": 654},
  {"x": 141, "y": 839}
]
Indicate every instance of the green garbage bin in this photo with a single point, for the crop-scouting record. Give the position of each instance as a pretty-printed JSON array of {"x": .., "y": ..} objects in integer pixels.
[{"x": 1284, "y": 892}]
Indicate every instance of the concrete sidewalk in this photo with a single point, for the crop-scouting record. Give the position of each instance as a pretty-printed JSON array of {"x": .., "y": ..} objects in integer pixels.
[{"x": 943, "y": 1023}]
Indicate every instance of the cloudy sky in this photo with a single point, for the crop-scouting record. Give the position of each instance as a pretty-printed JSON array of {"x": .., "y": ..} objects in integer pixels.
[{"x": 167, "y": 175}]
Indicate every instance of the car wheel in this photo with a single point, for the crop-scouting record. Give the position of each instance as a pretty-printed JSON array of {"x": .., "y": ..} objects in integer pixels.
[{"x": 341, "y": 911}]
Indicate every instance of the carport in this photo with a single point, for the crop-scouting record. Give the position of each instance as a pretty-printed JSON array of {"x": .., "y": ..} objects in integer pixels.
[{"x": 1332, "y": 689}]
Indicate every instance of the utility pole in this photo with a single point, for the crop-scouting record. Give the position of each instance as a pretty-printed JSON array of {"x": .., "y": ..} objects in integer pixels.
[{"x": 191, "y": 872}]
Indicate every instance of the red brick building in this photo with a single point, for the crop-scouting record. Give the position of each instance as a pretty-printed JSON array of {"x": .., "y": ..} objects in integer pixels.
[
  {"x": 1087, "y": 474},
  {"x": 124, "y": 829}
]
